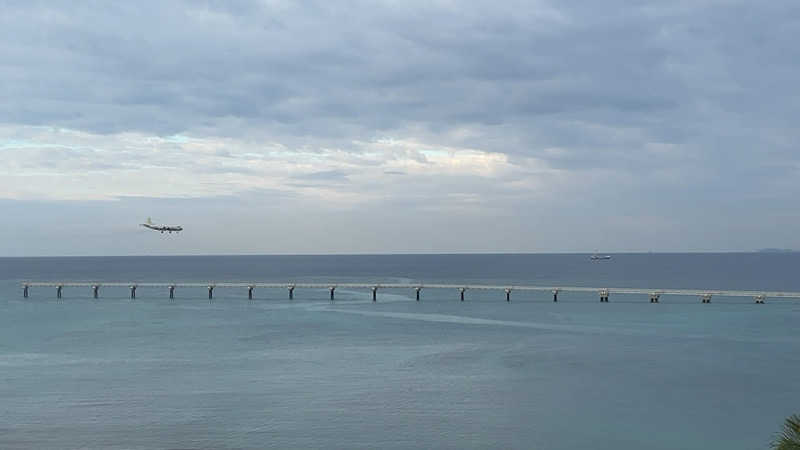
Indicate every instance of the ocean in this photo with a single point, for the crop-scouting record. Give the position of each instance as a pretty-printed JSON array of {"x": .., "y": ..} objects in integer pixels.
[{"x": 150, "y": 373}]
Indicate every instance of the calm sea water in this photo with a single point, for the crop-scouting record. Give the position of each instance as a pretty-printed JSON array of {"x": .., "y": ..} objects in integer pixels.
[{"x": 272, "y": 373}]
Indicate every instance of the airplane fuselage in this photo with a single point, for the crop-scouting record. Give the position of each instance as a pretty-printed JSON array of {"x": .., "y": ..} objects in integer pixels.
[{"x": 162, "y": 228}]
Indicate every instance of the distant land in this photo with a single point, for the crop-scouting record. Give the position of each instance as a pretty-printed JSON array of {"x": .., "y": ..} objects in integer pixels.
[{"x": 776, "y": 250}]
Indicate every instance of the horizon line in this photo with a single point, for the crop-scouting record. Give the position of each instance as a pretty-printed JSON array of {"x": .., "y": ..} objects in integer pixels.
[{"x": 759, "y": 251}]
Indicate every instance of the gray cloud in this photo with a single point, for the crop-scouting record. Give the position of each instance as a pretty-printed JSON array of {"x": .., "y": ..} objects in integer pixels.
[
  {"x": 667, "y": 107},
  {"x": 305, "y": 67}
]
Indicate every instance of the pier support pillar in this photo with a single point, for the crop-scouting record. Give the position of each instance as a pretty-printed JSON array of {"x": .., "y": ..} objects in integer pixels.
[
  {"x": 375, "y": 293},
  {"x": 133, "y": 292},
  {"x": 705, "y": 298},
  {"x": 59, "y": 288},
  {"x": 210, "y": 292},
  {"x": 417, "y": 289},
  {"x": 604, "y": 296},
  {"x": 171, "y": 292},
  {"x": 291, "y": 292},
  {"x": 555, "y": 295},
  {"x": 95, "y": 291},
  {"x": 508, "y": 295},
  {"x": 250, "y": 292},
  {"x": 654, "y": 297},
  {"x": 332, "y": 289},
  {"x": 461, "y": 292},
  {"x": 760, "y": 299},
  {"x": 25, "y": 291}
]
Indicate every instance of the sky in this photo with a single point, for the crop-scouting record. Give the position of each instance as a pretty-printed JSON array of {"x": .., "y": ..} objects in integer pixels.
[{"x": 275, "y": 127}]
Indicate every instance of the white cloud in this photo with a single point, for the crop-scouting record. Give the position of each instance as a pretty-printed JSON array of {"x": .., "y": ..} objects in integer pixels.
[{"x": 87, "y": 166}]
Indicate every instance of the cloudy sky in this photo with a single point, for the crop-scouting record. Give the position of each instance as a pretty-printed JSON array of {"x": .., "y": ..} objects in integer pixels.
[{"x": 399, "y": 126}]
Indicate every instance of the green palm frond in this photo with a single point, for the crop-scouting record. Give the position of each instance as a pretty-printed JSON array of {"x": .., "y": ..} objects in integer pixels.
[{"x": 789, "y": 438}]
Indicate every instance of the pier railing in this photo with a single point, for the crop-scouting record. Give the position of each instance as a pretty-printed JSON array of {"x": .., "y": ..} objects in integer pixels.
[{"x": 704, "y": 295}]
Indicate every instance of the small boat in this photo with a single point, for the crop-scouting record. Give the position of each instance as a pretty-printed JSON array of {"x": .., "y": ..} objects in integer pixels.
[{"x": 596, "y": 257}]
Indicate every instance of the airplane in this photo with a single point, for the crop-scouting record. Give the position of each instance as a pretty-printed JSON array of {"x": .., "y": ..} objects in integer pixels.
[{"x": 162, "y": 228}]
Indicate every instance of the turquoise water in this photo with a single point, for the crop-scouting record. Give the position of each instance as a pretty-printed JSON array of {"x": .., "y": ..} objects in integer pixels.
[{"x": 274, "y": 373}]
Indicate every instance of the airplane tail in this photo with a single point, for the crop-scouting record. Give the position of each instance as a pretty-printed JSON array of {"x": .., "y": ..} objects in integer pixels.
[{"x": 149, "y": 222}]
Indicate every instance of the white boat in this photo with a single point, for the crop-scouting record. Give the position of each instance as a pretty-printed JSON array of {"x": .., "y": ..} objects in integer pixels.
[{"x": 597, "y": 257}]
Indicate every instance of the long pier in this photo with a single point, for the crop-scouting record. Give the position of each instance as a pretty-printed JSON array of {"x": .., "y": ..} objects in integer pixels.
[{"x": 604, "y": 294}]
